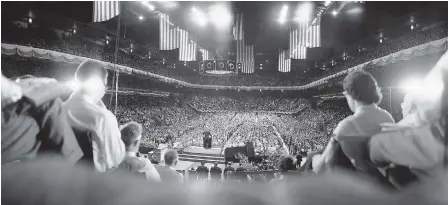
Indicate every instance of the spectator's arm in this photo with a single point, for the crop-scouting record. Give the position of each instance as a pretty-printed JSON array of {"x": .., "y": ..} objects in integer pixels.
[
  {"x": 419, "y": 147},
  {"x": 151, "y": 172},
  {"x": 56, "y": 130},
  {"x": 113, "y": 149}
]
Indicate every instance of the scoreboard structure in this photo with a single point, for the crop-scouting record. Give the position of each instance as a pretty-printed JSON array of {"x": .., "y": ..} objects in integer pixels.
[{"x": 219, "y": 67}]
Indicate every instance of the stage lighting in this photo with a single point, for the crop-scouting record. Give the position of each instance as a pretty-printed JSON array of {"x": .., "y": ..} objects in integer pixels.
[
  {"x": 281, "y": 20},
  {"x": 410, "y": 85},
  {"x": 327, "y": 3},
  {"x": 199, "y": 17},
  {"x": 220, "y": 16},
  {"x": 148, "y": 5},
  {"x": 30, "y": 20},
  {"x": 283, "y": 14},
  {"x": 334, "y": 13},
  {"x": 381, "y": 40},
  {"x": 304, "y": 12},
  {"x": 107, "y": 41},
  {"x": 140, "y": 18},
  {"x": 74, "y": 31},
  {"x": 412, "y": 27}
]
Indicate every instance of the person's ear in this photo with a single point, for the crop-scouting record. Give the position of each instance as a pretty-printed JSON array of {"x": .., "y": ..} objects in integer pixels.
[{"x": 136, "y": 142}]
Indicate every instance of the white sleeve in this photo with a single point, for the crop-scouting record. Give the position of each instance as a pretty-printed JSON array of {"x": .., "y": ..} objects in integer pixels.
[
  {"x": 151, "y": 172},
  {"x": 113, "y": 148}
]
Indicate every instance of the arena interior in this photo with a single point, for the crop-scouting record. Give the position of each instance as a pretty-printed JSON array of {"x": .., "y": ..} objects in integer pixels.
[{"x": 252, "y": 92}]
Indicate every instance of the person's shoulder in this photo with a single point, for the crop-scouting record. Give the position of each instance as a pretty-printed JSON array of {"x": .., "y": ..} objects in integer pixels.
[
  {"x": 387, "y": 116},
  {"x": 344, "y": 126}
]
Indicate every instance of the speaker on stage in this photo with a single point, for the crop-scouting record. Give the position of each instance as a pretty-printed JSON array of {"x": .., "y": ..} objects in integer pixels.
[{"x": 207, "y": 140}]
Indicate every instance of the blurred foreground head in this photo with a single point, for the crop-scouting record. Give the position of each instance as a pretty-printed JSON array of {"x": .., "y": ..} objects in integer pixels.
[
  {"x": 11, "y": 92},
  {"x": 92, "y": 79},
  {"x": 50, "y": 182}
]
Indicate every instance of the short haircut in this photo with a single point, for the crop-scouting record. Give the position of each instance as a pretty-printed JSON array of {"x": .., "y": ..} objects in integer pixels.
[
  {"x": 88, "y": 69},
  {"x": 131, "y": 132},
  {"x": 170, "y": 157},
  {"x": 287, "y": 163},
  {"x": 362, "y": 87},
  {"x": 203, "y": 162}
]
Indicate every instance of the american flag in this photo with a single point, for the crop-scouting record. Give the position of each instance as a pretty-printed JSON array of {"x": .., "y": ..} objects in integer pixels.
[
  {"x": 244, "y": 53},
  {"x": 284, "y": 61},
  {"x": 187, "y": 47},
  {"x": 105, "y": 10},
  {"x": 238, "y": 30},
  {"x": 205, "y": 54},
  {"x": 169, "y": 36},
  {"x": 303, "y": 36}
]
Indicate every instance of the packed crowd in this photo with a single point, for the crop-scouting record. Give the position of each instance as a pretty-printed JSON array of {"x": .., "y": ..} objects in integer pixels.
[
  {"x": 242, "y": 103},
  {"x": 77, "y": 45}
]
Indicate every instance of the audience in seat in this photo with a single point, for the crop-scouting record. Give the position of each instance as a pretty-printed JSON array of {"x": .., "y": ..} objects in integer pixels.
[
  {"x": 87, "y": 112},
  {"x": 202, "y": 171},
  {"x": 34, "y": 122},
  {"x": 228, "y": 171},
  {"x": 215, "y": 172},
  {"x": 418, "y": 143},
  {"x": 167, "y": 172},
  {"x": 352, "y": 133},
  {"x": 287, "y": 167},
  {"x": 240, "y": 173},
  {"x": 131, "y": 134}
]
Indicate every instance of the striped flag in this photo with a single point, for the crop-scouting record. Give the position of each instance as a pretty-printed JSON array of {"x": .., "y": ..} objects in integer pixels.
[
  {"x": 284, "y": 61},
  {"x": 169, "y": 37},
  {"x": 313, "y": 36},
  {"x": 187, "y": 46},
  {"x": 303, "y": 36},
  {"x": 238, "y": 30},
  {"x": 297, "y": 42},
  {"x": 244, "y": 53},
  {"x": 105, "y": 10},
  {"x": 205, "y": 55}
]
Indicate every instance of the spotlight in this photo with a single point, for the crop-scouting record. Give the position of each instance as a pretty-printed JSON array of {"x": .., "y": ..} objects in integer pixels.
[
  {"x": 220, "y": 16},
  {"x": 334, "y": 13},
  {"x": 304, "y": 12},
  {"x": 282, "y": 20},
  {"x": 74, "y": 31},
  {"x": 131, "y": 50},
  {"x": 283, "y": 14},
  {"x": 148, "y": 5},
  {"x": 381, "y": 40},
  {"x": 30, "y": 20},
  {"x": 199, "y": 17},
  {"x": 140, "y": 18},
  {"x": 412, "y": 27},
  {"x": 410, "y": 85},
  {"x": 107, "y": 41},
  {"x": 327, "y": 3}
]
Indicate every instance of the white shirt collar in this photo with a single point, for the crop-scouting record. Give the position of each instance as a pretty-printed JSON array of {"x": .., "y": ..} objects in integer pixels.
[{"x": 131, "y": 154}]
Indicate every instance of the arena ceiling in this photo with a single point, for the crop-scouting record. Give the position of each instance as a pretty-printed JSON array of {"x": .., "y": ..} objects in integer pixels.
[{"x": 355, "y": 23}]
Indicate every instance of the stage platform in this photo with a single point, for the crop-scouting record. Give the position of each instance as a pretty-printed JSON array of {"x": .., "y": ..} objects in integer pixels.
[
  {"x": 201, "y": 150},
  {"x": 195, "y": 155}
]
